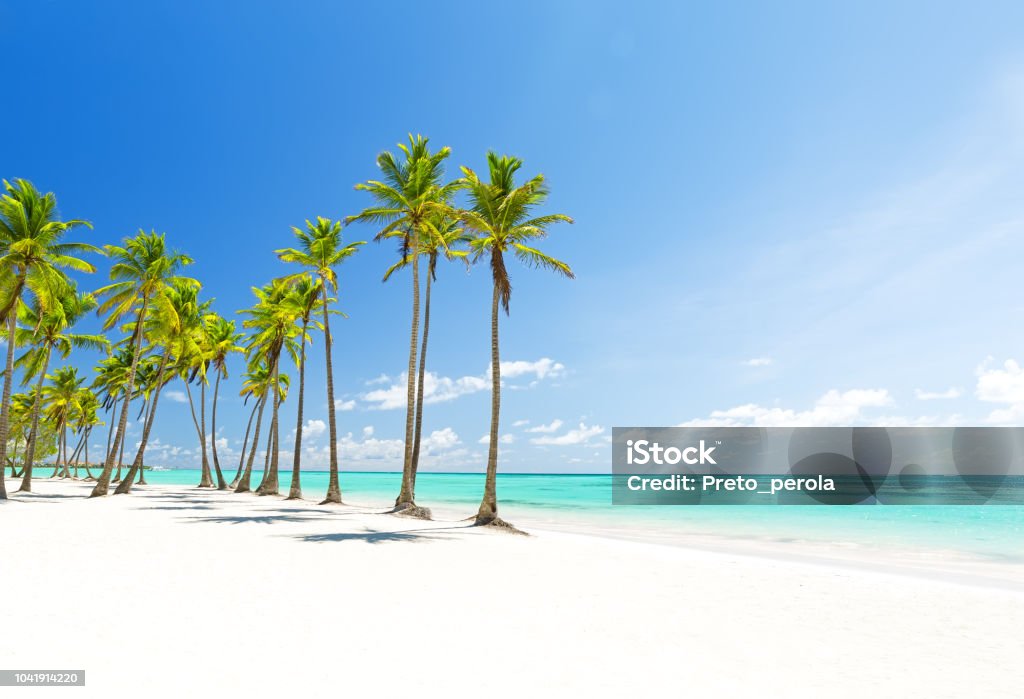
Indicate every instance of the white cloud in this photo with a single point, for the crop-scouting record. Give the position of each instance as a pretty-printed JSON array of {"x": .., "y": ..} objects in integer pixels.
[
  {"x": 758, "y": 361},
  {"x": 368, "y": 431},
  {"x": 948, "y": 394},
  {"x": 313, "y": 429},
  {"x": 344, "y": 405},
  {"x": 1004, "y": 385},
  {"x": 503, "y": 439},
  {"x": 440, "y": 389},
  {"x": 577, "y": 436},
  {"x": 554, "y": 426},
  {"x": 520, "y": 423},
  {"x": 176, "y": 396},
  {"x": 833, "y": 408}
]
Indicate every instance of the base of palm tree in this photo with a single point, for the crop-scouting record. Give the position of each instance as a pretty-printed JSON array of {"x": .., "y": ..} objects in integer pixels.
[
  {"x": 498, "y": 523},
  {"x": 411, "y": 509}
]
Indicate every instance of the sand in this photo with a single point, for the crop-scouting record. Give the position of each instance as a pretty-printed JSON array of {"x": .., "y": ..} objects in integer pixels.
[{"x": 179, "y": 592}]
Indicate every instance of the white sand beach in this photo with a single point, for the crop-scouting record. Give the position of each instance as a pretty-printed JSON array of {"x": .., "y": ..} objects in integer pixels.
[{"x": 197, "y": 593}]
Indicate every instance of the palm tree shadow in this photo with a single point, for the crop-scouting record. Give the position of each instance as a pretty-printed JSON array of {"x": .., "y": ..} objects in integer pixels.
[
  {"x": 372, "y": 536},
  {"x": 256, "y": 519}
]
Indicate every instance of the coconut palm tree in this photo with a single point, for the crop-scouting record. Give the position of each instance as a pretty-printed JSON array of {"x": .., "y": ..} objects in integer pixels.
[
  {"x": 501, "y": 217},
  {"x": 47, "y": 332},
  {"x": 260, "y": 382},
  {"x": 306, "y": 298},
  {"x": 272, "y": 323},
  {"x": 33, "y": 260},
  {"x": 407, "y": 200},
  {"x": 143, "y": 268},
  {"x": 86, "y": 419},
  {"x": 320, "y": 250},
  {"x": 60, "y": 397},
  {"x": 221, "y": 339},
  {"x": 448, "y": 234}
]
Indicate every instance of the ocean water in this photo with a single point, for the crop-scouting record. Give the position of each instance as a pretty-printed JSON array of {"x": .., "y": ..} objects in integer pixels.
[{"x": 994, "y": 532}]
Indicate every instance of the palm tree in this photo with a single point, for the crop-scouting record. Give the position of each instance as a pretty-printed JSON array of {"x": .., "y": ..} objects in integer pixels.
[
  {"x": 47, "y": 331},
  {"x": 61, "y": 400},
  {"x": 259, "y": 382},
  {"x": 407, "y": 200},
  {"x": 501, "y": 217},
  {"x": 87, "y": 418},
  {"x": 448, "y": 234},
  {"x": 143, "y": 268},
  {"x": 320, "y": 250},
  {"x": 221, "y": 340},
  {"x": 33, "y": 258},
  {"x": 305, "y": 297},
  {"x": 272, "y": 321}
]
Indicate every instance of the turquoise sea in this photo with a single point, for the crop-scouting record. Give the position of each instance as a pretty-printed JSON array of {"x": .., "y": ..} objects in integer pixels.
[{"x": 994, "y": 532}]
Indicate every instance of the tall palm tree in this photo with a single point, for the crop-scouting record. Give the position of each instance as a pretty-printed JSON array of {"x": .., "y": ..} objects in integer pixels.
[
  {"x": 407, "y": 200},
  {"x": 221, "y": 339},
  {"x": 305, "y": 297},
  {"x": 260, "y": 382},
  {"x": 320, "y": 250},
  {"x": 448, "y": 234},
  {"x": 272, "y": 322},
  {"x": 46, "y": 332},
  {"x": 501, "y": 216},
  {"x": 33, "y": 259},
  {"x": 88, "y": 417},
  {"x": 61, "y": 400},
  {"x": 142, "y": 269}
]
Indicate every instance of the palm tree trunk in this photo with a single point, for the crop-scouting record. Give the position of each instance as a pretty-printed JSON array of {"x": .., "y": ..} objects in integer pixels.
[
  {"x": 67, "y": 461},
  {"x": 406, "y": 496},
  {"x": 488, "y": 511},
  {"x": 103, "y": 483},
  {"x": 88, "y": 473},
  {"x": 120, "y": 457},
  {"x": 295, "y": 492},
  {"x": 245, "y": 445},
  {"x": 205, "y": 480},
  {"x": 333, "y": 487},
  {"x": 126, "y": 485},
  {"x": 270, "y": 485},
  {"x": 243, "y": 485},
  {"x": 419, "y": 385},
  {"x": 266, "y": 457},
  {"x": 5, "y": 405},
  {"x": 30, "y": 449},
  {"x": 221, "y": 483}
]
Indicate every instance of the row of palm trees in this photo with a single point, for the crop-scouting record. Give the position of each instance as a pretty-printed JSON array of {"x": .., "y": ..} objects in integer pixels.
[{"x": 170, "y": 333}]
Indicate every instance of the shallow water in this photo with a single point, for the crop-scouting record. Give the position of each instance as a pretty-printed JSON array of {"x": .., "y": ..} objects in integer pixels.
[{"x": 995, "y": 532}]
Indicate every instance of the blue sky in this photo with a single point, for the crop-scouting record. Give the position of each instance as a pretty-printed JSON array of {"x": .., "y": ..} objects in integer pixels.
[{"x": 785, "y": 214}]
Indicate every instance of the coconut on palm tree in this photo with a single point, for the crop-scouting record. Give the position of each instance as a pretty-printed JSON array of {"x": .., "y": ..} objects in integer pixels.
[
  {"x": 408, "y": 201},
  {"x": 143, "y": 268},
  {"x": 501, "y": 215},
  {"x": 33, "y": 260},
  {"x": 320, "y": 250}
]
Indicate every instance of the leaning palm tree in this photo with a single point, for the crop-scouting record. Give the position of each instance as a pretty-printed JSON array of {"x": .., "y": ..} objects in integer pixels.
[
  {"x": 501, "y": 216},
  {"x": 320, "y": 250},
  {"x": 33, "y": 260},
  {"x": 447, "y": 234},
  {"x": 221, "y": 339},
  {"x": 143, "y": 268},
  {"x": 47, "y": 332},
  {"x": 407, "y": 201},
  {"x": 258, "y": 383}
]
